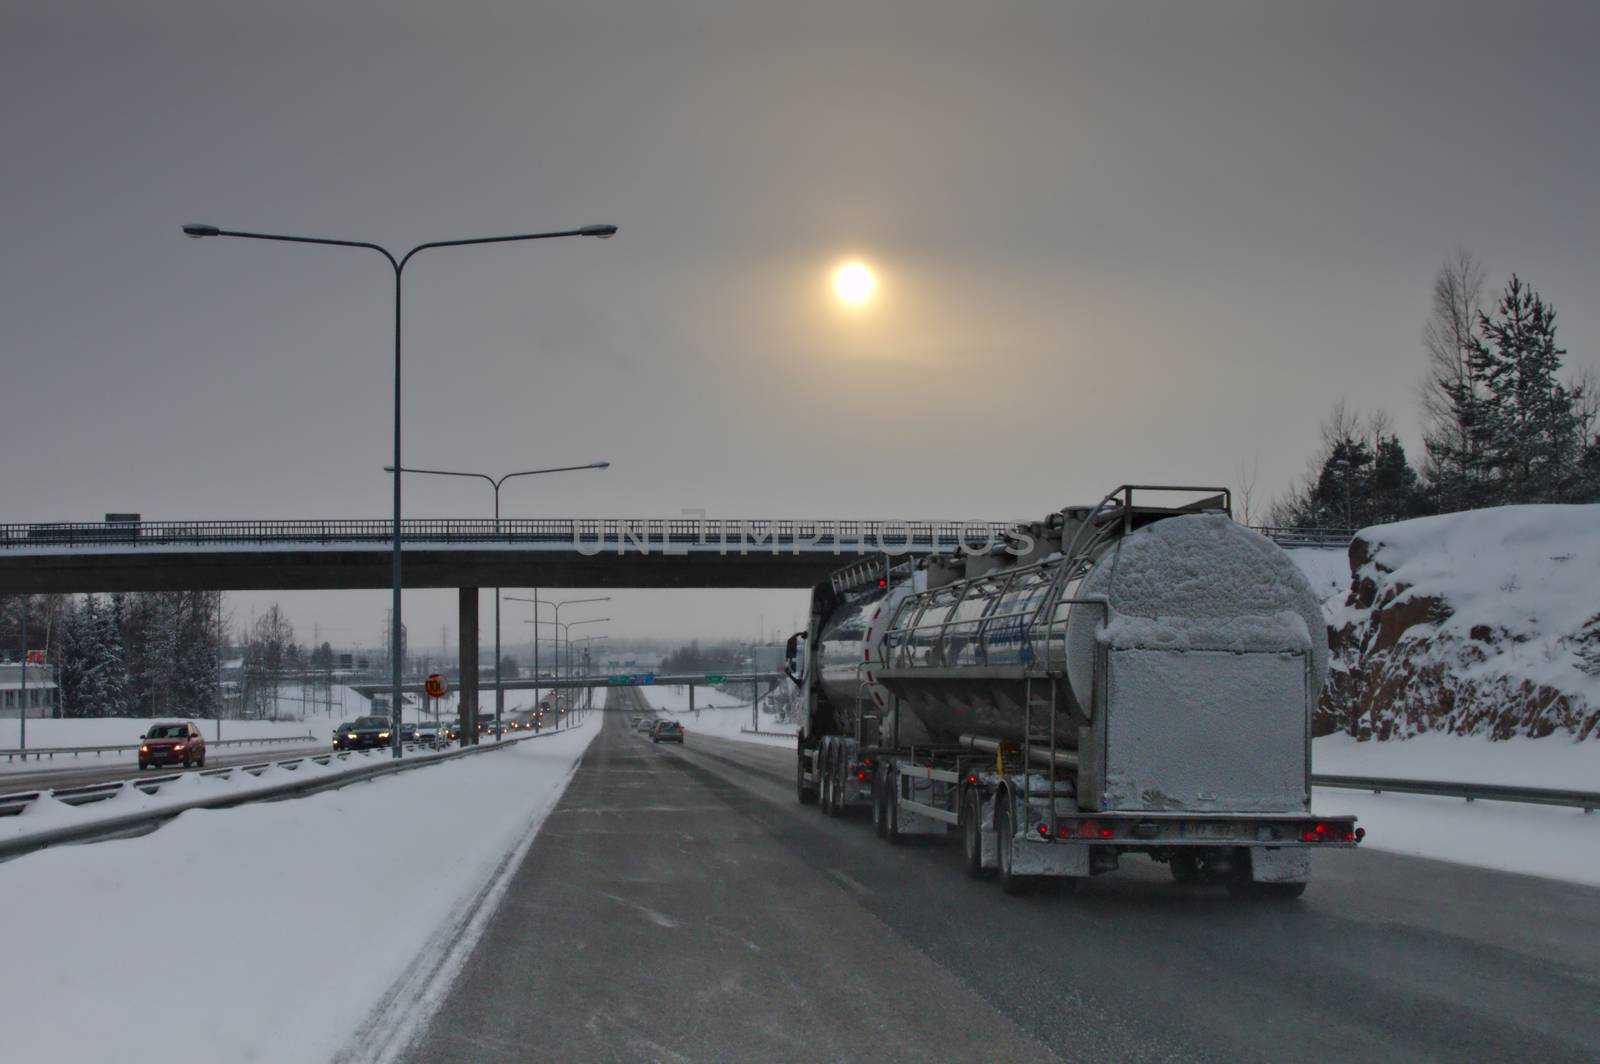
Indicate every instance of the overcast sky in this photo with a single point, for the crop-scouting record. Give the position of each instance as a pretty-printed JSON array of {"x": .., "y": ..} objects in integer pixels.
[{"x": 1116, "y": 242}]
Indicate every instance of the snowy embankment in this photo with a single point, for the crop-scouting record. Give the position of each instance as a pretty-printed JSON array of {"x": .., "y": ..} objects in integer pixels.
[
  {"x": 720, "y": 715},
  {"x": 280, "y": 927},
  {"x": 1479, "y": 623},
  {"x": 1409, "y": 663},
  {"x": 46, "y": 813},
  {"x": 1553, "y": 841}
]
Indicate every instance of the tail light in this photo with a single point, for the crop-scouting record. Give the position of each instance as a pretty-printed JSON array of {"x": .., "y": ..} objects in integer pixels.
[
  {"x": 1326, "y": 831},
  {"x": 1083, "y": 829}
]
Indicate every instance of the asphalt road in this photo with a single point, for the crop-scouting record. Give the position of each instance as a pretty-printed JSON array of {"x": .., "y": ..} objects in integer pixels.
[{"x": 680, "y": 905}]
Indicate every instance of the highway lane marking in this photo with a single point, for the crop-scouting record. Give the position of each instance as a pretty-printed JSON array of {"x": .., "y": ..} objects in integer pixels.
[{"x": 849, "y": 882}]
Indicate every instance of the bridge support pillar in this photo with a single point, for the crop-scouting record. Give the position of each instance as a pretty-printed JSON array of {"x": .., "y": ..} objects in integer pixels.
[{"x": 468, "y": 627}]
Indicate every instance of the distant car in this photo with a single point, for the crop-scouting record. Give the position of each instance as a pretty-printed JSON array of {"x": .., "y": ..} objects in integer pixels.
[
  {"x": 634, "y": 722},
  {"x": 452, "y": 731},
  {"x": 646, "y": 724},
  {"x": 172, "y": 743},
  {"x": 667, "y": 731},
  {"x": 366, "y": 733},
  {"x": 427, "y": 732},
  {"x": 408, "y": 733}
]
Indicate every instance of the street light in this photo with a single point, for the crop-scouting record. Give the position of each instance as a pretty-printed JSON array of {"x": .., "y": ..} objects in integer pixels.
[
  {"x": 564, "y": 628},
  {"x": 399, "y": 264},
  {"x": 494, "y": 482},
  {"x": 537, "y": 602}
]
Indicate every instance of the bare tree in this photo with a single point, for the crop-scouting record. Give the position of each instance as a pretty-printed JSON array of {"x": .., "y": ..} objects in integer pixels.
[
  {"x": 1448, "y": 394},
  {"x": 1244, "y": 494}
]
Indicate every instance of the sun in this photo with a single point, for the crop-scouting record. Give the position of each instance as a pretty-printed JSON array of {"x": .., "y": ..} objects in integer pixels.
[{"x": 855, "y": 283}]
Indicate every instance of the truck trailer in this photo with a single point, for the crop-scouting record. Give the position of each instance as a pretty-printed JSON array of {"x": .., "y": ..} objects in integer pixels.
[{"x": 1132, "y": 677}]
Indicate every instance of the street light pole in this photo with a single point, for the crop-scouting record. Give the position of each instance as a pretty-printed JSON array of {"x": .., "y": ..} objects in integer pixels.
[
  {"x": 399, "y": 264},
  {"x": 495, "y": 483},
  {"x": 537, "y": 602}
]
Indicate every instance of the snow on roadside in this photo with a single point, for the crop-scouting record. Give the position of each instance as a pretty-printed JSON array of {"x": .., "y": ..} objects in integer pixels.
[
  {"x": 279, "y": 925},
  {"x": 1554, "y": 761},
  {"x": 719, "y": 715},
  {"x": 47, "y": 813},
  {"x": 1553, "y": 841},
  {"x": 1537, "y": 840}
]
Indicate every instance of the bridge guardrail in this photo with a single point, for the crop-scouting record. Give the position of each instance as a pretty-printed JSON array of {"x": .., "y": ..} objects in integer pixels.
[
  {"x": 709, "y": 531},
  {"x": 41, "y": 752},
  {"x": 1491, "y": 792}
]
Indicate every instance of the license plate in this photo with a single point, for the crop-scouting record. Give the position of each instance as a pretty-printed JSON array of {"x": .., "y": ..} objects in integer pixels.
[{"x": 1210, "y": 831}]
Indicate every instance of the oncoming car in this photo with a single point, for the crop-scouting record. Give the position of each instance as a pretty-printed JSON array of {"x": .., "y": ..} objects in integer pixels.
[
  {"x": 172, "y": 743},
  {"x": 367, "y": 733}
]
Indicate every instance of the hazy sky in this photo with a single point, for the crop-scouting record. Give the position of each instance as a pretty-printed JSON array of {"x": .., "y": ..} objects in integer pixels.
[{"x": 1116, "y": 242}]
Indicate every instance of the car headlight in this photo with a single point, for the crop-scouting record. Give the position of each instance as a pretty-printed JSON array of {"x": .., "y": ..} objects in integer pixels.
[
  {"x": 383, "y": 735},
  {"x": 352, "y": 735}
]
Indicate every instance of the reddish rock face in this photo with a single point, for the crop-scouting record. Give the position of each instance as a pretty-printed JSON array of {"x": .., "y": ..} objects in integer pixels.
[{"x": 1398, "y": 669}]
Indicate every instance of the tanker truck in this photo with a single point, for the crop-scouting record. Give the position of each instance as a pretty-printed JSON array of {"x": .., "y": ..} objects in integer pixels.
[{"x": 1132, "y": 677}]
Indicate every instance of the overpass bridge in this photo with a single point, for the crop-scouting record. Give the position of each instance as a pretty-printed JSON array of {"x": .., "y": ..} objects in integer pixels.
[
  {"x": 136, "y": 555},
  {"x": 450, "y": 552}
]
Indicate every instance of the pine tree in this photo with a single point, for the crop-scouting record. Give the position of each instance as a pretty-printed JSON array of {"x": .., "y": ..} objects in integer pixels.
[{"x": 1529, "y": 431}]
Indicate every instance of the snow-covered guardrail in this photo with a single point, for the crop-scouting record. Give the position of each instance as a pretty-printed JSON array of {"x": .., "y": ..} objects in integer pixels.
[
  {"x": 142, "y": 820},
  {"x": 1588, "y": 801},
  {"x": 39, "y": 753}
]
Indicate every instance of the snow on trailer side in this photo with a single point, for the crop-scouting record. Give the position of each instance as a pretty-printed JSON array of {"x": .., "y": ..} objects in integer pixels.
[{"x": 1153, "y": 667}]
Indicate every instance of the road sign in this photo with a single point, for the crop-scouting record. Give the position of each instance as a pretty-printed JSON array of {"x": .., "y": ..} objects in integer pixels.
[
  {"x": 436, "y": 687},
  {"x": 619, "y": 679},
  {"x": 648, "y": 677},
  {"x": 716, "y": 677}
]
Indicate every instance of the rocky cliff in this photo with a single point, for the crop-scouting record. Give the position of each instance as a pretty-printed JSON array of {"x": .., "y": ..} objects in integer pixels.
[{"x": 1485, "y": 622}]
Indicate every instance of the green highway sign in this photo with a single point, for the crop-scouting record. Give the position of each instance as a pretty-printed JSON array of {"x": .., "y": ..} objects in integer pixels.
[
  {"x": 619, "y": 680},
  {"x": 716, "y": 677}
]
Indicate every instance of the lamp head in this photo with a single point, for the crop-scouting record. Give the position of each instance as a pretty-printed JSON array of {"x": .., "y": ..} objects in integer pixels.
[
  {"x": 198, "y": 230},
  {"x": 604, "y": 232}
]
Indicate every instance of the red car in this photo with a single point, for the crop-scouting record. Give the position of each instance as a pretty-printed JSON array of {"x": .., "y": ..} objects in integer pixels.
[{"x": 172, "y": 743}]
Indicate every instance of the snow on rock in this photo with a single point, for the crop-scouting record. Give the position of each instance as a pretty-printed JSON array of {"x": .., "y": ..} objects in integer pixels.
[{"x": 1485, "y": 622}]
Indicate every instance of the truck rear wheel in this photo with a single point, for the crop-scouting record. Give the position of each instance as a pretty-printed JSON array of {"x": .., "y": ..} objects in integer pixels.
[
  {"x": 836, "y": 778},
  {"x": 891, "y": 812},
  {"x": 1185, "y": 868},
  {"x": 972, "y": 836},
  {"x": 1010, "y": 882},
  {"x": 803, "y": 791}
]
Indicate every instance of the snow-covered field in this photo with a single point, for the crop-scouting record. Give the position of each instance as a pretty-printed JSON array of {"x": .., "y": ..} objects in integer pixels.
[
  {"x": 1551, "y": 841},
  {"x": 281, "y": 926},
  {"x": 719, "y": 715}
]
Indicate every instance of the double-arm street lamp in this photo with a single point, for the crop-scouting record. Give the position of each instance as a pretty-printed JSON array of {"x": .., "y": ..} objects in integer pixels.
[
  {"x": 495, "y": 482},
  {"x": 537, "y": 602},
  {"x": 399, "y": 264}
]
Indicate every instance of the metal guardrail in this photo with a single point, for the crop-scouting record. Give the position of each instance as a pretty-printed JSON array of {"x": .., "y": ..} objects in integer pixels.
[
  {"x": 41, "y": 752},
  {"x": 760, "y": 532},
  {"x": 1489, "y": 792},
  {"x": 146, "y": 820},
  {"x": 1308, "y": 537}
]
